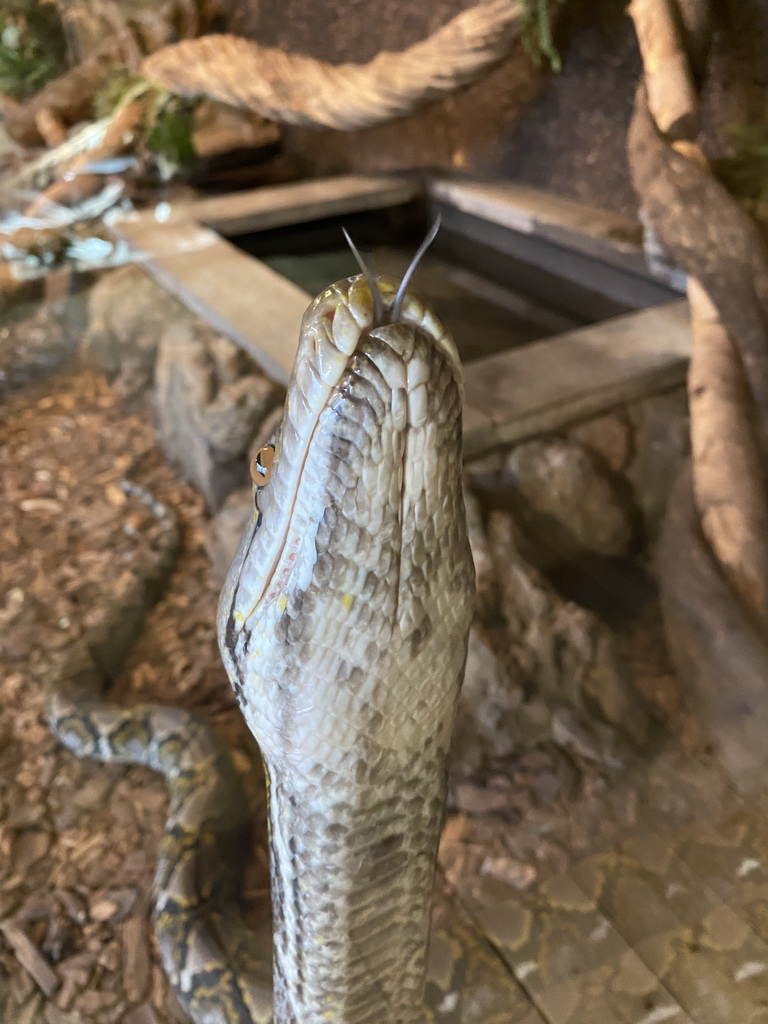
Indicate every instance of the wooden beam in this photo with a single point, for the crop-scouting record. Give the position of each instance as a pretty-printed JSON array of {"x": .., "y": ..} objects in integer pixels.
[
  {"x": 274, "y": 206},
  {"x": 257, "y": 308},
  {"x": 530, "y": 211},
  {"x": 527, "y": 391},
  {"x": 560, "y": 380},
  {"x": 586, "y": 260}
]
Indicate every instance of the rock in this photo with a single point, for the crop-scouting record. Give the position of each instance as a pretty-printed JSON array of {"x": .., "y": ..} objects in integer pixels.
[
  {"x": 565, "y": 653},
  {"x": 32, "y": 347},
  {"x": 645, "y": 443},
  {"x": 608, "y": 436},
  {"x": 488, "y": 720},
  {"x": 128, "y": 312},
  {"x": 229, "y": 421},
  {"x": 488, "y": 723},
  {"x": 567, "y": 501},
  {"x": 230, "y": 361},
  {"x": 592, "y": 741},
  {"x": 211, "y": 401},
  {"x": 530, "y": 653},
  {"x": 661, "y": 446},
  {"x": 224, "y": 530}
]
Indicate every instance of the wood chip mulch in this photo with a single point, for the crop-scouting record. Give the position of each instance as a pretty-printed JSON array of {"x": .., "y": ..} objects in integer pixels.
[{"x": 78, "y": 839}]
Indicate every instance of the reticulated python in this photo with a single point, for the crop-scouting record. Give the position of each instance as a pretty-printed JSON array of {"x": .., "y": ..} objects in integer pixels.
[
  {"x": 693, "y": 907},
  {"x": 343, "y": 627}
]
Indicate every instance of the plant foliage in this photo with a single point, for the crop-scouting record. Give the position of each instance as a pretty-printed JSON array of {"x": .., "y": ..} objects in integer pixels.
[
  {"x": 25, "y": 63},
  {"x": 537, "y": 31}
]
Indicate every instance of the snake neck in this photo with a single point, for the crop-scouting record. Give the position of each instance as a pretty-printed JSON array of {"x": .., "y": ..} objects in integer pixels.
[
  {"x": 352, "y": 882},
  {"x": 343, "y": 626}
]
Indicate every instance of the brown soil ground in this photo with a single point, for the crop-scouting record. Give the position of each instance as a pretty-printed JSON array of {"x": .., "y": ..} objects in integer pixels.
[{"x": 78, "y": 839}]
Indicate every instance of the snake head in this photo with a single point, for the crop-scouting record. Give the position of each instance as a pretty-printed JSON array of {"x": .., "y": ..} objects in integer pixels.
[{"x": 343, "y": 550}]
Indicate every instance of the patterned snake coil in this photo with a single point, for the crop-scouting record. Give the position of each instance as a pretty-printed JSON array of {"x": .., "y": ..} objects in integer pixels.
[{"x": 343, "y": 627}]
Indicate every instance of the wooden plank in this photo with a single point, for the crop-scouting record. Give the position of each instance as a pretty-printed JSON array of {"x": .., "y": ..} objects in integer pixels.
[
  {"x": 581, "y": 373},
  {"x": 510, "y": 396},
  {"x": 240, "y": 296},
  {"x": 154, "y": 236},
  {"x": 530, "y": 211},
  {"x": 480, "y": 434},
  {"x": 276, "y": 206},
  {"x": 589, "y": 285}
]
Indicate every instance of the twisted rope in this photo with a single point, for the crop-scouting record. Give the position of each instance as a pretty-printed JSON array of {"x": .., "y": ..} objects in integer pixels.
[{"x": 298, "y": 90}]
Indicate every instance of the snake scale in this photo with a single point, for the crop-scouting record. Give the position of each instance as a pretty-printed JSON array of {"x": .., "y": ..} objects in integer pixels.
[{"x": 343, "y": 627}]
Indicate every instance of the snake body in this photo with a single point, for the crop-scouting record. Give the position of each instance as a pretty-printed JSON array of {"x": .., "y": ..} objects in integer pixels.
[
  {"x": 220, "y": 971},
  {"x": 343, "y": 627}
]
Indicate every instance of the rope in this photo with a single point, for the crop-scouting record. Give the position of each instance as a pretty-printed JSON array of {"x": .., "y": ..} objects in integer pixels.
[{"x": 298, "y": 90}]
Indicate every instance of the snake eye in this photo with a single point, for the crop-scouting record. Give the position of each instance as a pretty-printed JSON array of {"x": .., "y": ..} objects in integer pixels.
[{"x": 261, "y": 465}]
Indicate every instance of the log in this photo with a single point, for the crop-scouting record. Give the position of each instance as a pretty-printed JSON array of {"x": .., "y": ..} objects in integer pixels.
[
  {"x": 671, "y": 92},
  {"x": 729, "y": 482}
]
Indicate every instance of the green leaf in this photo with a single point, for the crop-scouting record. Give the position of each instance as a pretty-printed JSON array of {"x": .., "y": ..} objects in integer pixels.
[
  {"x": 24, "y": 65},
  {"x": 537, "y": 32},
  {"x": 119, "y": 82},
  {"x": 170, "y": 132}
]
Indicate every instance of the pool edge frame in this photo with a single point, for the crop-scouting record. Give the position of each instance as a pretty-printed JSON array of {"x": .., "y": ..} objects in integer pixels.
[{"x": 510, "y": 396}]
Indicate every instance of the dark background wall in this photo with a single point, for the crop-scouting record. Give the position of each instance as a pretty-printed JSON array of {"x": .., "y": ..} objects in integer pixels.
[
  {"x": 571, "y": 139},
  {"x": 557, "y": 131}
]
